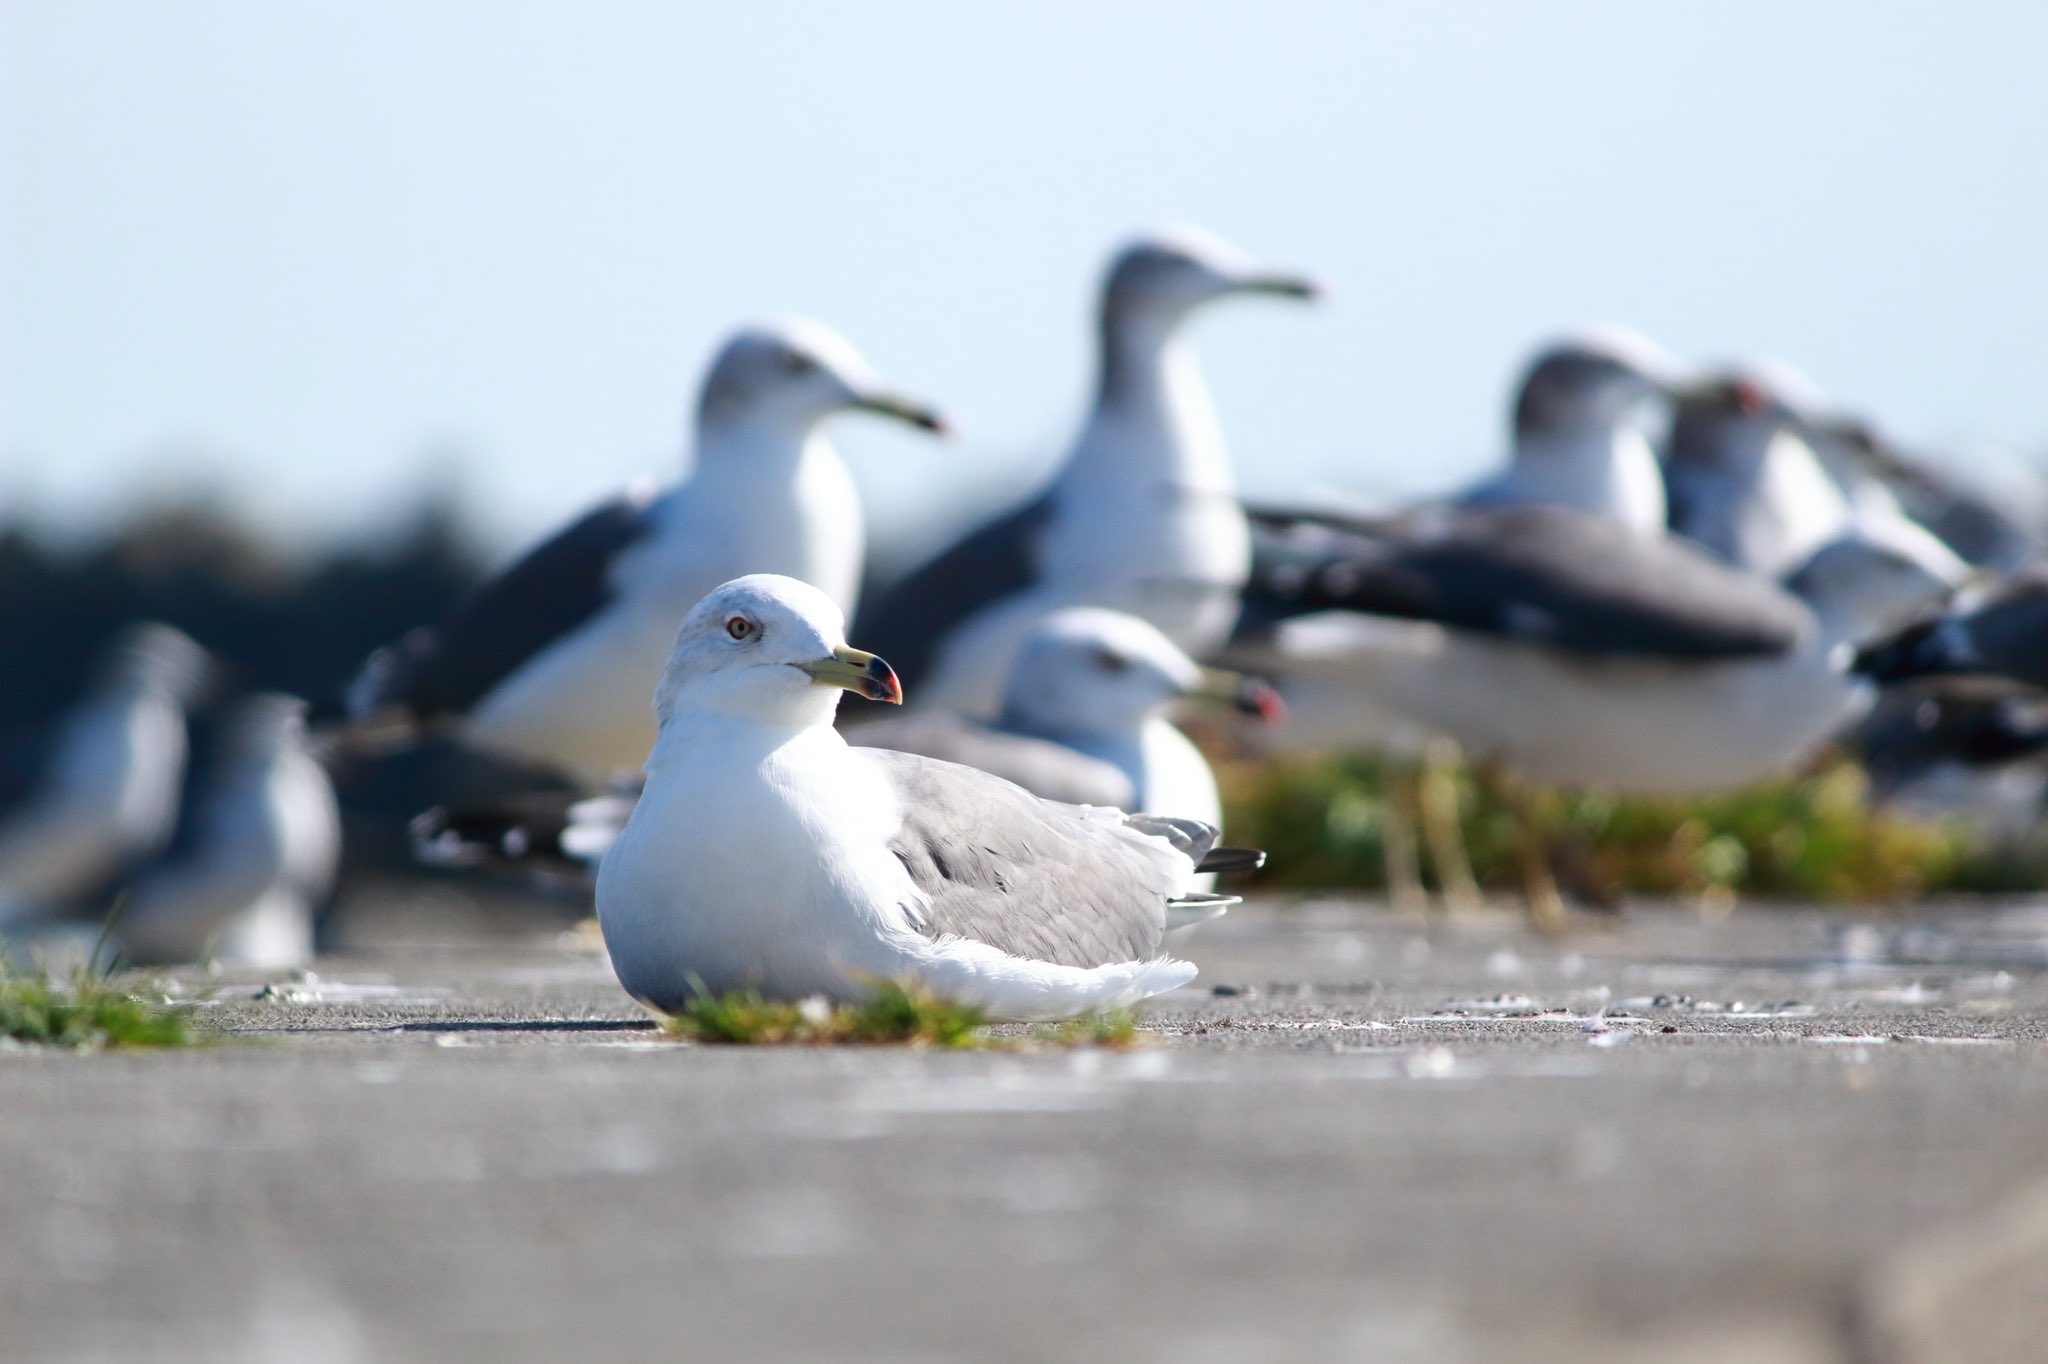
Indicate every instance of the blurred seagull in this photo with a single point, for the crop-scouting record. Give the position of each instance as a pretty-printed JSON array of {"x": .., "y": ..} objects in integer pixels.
[
  {"x": 1084, "y": 719},
  {"x": 1142, "y": 516},
  {"x": 552, "y": 660},
  {"x": 1742, "y": 480},
  {"x": 767, "y": 854},
  {"x": 1581, "y": 436},
  {"x": 2001, "y": 635},
  {"x": 1580, "y": 426},
  {"x": 1567, "y": 649},
  {"x": 266, "y": 836},
  {"x": 108, "y": 795}
]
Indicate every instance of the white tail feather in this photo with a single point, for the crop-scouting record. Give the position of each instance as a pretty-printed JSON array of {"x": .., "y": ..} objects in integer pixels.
[{"x": 1015, "y": 990}]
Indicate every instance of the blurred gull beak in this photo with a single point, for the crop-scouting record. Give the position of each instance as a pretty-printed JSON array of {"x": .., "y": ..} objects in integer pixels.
[
  {"x": 885, "y": 404},
  {"x": 1281, "y": 283},
  {"x": 1252, "y": 696},
  {"x": 856, "y": 671}
]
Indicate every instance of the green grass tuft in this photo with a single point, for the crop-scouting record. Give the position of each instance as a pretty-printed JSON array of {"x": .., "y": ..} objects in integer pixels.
[
  {"x": 1116, "y": 1029},
  {"x": 1812, "y": 837},
  {"x": 905, "y": 1015},
  {"x": 896, "y": 1014},
  {"x": 89, "y": 1013}
]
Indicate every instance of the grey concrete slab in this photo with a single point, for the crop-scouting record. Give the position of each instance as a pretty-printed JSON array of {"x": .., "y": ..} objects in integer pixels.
[{"x": 1780, "y": 1135}]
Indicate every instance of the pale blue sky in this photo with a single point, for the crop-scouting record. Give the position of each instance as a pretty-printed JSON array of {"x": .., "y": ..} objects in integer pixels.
[{"x": 310, "y": 251}]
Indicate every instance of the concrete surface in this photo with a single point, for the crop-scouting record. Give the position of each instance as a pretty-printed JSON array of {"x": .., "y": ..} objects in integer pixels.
[{"x": 1791, "y": 1136}]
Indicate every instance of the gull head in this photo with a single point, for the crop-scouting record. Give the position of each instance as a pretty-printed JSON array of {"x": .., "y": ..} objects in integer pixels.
[
  {"x": 1730, "y": 415},
  {"x": 1086, "y": 670},
  {"x": 152, "y": 656},
  {"x": 768, "y": 648},
  {"x": 791, "y": 375},
  {"x": 262, "y": 725},
  {"x": 1161, "y": 277},
  {"x": 1594, "y": 379}
]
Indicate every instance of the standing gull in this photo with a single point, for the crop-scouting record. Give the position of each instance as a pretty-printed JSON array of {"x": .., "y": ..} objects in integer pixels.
[
  {"x": 1570, "y": 650},
  {"x": 1141, "y": 517},
  {"x": 767, "y": 854},
  {"x": 551, "y": 660},
  {"x": 266, "y": 836},
  {"x": 1580, "y": 425},
  {"x": 108, "y": 794}
]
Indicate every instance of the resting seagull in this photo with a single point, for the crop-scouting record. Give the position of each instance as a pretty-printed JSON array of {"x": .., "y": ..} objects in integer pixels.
[
  {"x": 266, "y": 835},
  {"x": 551, "y": 661},
  {"x": 767, "y": 854},
  {"x": 1084, "y": 721},
  {"x": 108, "y": 795},
  {"x": 1142, "y": 517}
]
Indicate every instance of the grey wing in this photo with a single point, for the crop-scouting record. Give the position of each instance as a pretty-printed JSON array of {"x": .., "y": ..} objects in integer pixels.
[
  {"x": 1079, "y": 886},
  {"x": 1040, "y": 766},
  {"x": 1546, "y": 574},
  {"x": 2005, "y": 637},
  {"x": 558, "y": 586}
]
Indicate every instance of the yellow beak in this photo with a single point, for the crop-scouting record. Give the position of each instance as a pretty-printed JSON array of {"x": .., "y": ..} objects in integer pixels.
[{"x": 856, "y": 671}]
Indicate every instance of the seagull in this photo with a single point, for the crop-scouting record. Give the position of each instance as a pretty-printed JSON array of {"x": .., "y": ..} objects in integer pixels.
[
  {"x": 1083, "y": 721},
  {"x": 767, "y": 854},
  {"x": 1581, "y": 421},
  {"x": 1142, "y": 516},
  {"x": 1569, "y": 650},
  {"x": 1581, "y": 429},
  {"x": 109, "y": 794},
  {"x": 551, "y": 660},
  {"x": 266, "y": 838},
  {"x": 2002, "y": 635},
  {"x": 1742, "y": 480}
]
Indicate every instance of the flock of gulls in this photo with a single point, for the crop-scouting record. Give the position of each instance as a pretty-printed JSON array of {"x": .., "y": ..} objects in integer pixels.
[{"x": 1680, "y": 580}]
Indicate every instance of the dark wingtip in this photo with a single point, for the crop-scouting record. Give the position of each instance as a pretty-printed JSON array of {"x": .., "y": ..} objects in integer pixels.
[
  {"x": 1232, "y": 859},
  {"x": 1897, "y": 659}
]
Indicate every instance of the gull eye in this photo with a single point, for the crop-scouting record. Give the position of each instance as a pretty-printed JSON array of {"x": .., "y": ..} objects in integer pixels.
[
  {"x": 1111, "y": 662},
  {"x": 739, "y": 627},
  {"x": 795, "y": 363}
]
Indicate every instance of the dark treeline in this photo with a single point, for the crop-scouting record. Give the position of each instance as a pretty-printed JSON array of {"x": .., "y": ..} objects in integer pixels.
[{"x": 278, "y": 620}]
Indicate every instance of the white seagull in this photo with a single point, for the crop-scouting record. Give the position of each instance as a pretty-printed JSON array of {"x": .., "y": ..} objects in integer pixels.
[
  {"x": 108, "y": 795},
  {"x": 266, "y": 836},
  {"x": 1142, "y": 516},
  {"x": 1084, "y": 721},
  {"x": 551, "y": 661},
  {"x": 767, "y": 854}
]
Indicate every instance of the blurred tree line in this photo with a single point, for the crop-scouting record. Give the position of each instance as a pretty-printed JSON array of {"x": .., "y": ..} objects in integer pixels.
[{"x": 278, "y": 619}]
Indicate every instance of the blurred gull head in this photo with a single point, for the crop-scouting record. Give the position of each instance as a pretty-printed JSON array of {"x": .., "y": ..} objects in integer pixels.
[{"x": 791, "y": 375}]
